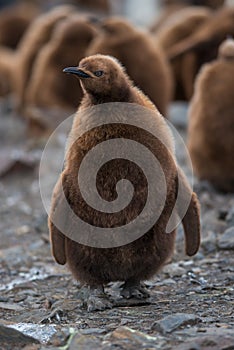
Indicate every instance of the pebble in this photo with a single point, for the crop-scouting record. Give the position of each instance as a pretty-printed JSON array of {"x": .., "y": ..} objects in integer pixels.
[
  {"x": 170, "y": 323},
  {"x": 84, "y": 342},
  {"x": 174, "y": 270}
]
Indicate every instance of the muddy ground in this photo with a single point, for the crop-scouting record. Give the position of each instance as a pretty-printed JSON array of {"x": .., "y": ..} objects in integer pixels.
[{"x": 192, "y": 299}]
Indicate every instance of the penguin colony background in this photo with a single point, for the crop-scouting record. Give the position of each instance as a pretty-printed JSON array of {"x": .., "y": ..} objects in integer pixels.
[{"x": 78, "y": 57}]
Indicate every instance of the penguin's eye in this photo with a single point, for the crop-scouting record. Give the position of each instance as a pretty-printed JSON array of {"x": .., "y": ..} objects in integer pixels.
[{"x": 98, "y": 73}]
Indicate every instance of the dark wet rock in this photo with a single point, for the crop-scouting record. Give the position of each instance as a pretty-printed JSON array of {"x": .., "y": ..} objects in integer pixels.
[
  {"x": 173, "y": 322},
  {"x": 226, "y": 240},
  {"x": 11, "y": 339},
  {"x": 129, "y": 339}
]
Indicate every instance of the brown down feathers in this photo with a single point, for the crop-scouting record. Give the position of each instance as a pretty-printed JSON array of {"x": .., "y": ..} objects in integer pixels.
[
  {"x": 144, "y": 61},
  {"x": 142, "y": 258},
  {"x": 211, "y": 122}
]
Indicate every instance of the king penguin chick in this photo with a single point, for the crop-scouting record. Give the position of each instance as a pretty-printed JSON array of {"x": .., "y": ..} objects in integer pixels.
[
  {"x": 14, "y": 21},
  {"x": 176, "y": 28},
  {"x": 104, "y": 80},
  {"x": 205, "y": 41},
  {"x": 68, "y": 43},
  {"x": 144, "y": 61},
  {"x": 171, "y": 7},
  {"x": 37, "y": 35},
  {"x": 6, "y": 69},
  {"x": 211, "y": 121}
]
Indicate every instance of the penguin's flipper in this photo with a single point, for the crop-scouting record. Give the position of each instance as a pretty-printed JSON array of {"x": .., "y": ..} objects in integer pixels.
[
  {"x": 57, "y": 238},
  {"x": 190, "y": 216}
]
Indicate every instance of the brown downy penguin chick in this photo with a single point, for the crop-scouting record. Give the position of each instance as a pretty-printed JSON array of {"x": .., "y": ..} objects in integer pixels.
[
  {"x": 69, "y": 42},
  {"x": 104, "y": 80},
  {"x": 211, "y": 121},
  {"x": 14, "y": 21},
  {"x": 206, "y": 39},
  {"x": 178, "y": 27},
  {"x": 171, "y": 7},
  {"x": 6, "y": 69},
  {"x": 181, "y": 25},
  {"x": 144, "y": 61},
  {"x": 37, "y": 35}
]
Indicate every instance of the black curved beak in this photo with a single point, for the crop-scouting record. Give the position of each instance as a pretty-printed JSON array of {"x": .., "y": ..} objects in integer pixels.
[{"x": 76, "y": 71}]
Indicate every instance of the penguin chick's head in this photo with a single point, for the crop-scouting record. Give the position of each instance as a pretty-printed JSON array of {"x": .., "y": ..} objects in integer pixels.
[
  {"x": 117, "y": 27},
  {"x": 103, "y": 78}
]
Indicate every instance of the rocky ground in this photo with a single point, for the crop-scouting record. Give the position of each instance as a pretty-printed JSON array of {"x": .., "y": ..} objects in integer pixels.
[{"x": 192, "y": 299}]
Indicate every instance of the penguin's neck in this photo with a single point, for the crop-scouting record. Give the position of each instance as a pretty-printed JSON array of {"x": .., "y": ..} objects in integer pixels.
[{"x": 115, "y": 95}]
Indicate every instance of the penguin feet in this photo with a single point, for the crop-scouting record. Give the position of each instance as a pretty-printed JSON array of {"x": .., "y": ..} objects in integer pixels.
[
  {"x": 95, "y": 299},
  {"x": 134, "y": 290}
]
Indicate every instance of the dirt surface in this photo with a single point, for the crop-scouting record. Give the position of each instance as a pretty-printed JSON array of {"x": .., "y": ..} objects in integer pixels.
[{"x": 192, "y": 299}]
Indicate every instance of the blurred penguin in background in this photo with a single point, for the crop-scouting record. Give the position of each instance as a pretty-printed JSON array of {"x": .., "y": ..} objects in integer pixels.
[
  {"x": 176, "y": 28},
  {"x": 203, "y": 43},
  {"x": 49, "y": 87},
  {"x": 170, "y": 7},
  {"x": 144, "y": 61},
  {"x": 6, "y": 69},
  {"x": 14, "y": 21},
  {"x": 211, "y": 121},
  {"x": 37, "y": 35}
]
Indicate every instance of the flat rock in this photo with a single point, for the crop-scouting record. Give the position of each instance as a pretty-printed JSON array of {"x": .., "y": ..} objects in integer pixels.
[
  {"x": 43, "y": 333},
  {"x": 226, "y": 240},
  {"x": 11, "y": 306},
  {"x": 173, "y": 322},
  {"x": 84, "y": 342},
  {"x": 215, "y": 342},
  {"x": 11, "y": 339},
  {"x": 127, "y": 338}
]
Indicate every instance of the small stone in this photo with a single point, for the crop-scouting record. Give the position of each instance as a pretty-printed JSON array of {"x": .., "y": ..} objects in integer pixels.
[
  {"x": 84, "y": 342},
  {"x": 174, "y": 270},
  {"x": 172, "y": 322},
  {"x": 226, "y": 240},
  {"x": 22, "y": 230}
]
